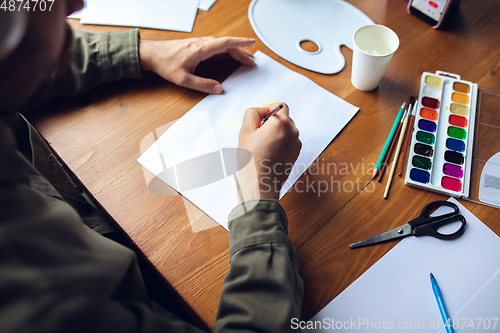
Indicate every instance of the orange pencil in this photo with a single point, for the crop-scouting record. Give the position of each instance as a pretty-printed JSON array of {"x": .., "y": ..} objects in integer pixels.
[{"x": 396, "y": 155}]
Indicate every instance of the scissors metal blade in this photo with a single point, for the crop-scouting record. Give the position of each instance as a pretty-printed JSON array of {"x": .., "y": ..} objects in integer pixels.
[{"x": 395, "y": 233}]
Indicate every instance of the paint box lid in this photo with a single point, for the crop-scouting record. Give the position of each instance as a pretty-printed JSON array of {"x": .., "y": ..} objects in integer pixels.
[
  {"x": 484, "y": 185},
  {"x": 467, "y": 136}
]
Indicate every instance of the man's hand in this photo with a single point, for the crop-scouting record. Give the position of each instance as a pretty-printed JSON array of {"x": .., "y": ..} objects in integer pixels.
[
  {"x": 176, "y": 60},
  {"x": 274, "y": 145}
]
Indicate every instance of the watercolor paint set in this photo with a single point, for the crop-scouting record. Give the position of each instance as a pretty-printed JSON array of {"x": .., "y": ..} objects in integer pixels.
[
  {"x": 455, "y": 142},
  {"x": 443, "y": 135}
]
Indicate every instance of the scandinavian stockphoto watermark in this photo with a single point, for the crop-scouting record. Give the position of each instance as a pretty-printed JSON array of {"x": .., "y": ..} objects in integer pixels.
[{"x": 321, "y": 176}]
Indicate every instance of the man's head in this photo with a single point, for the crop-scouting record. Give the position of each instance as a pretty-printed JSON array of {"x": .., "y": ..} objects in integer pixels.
[{"x": 32, "y": 44}]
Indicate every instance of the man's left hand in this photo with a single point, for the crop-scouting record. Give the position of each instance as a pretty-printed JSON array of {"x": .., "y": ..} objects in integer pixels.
[{"x": 176, "y": 60}]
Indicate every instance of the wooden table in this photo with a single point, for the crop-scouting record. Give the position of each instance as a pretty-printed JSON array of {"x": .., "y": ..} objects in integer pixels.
[{"x": 99, "y": 135}]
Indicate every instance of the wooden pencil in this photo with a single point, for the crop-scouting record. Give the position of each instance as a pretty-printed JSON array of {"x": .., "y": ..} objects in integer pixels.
[
  {"x": 408, "y": 134},
  {"x": 389, "y": 140},
  {"x": 395, "y": 161},
  {"x": 393, "y": 143}
]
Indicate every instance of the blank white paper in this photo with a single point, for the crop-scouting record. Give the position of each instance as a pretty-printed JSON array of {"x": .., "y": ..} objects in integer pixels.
[
  {"x": 396, "y": 291},
  {"x": 318, "y": 114},
  {"x": 156, "y": 14},
  {"x": 76, "y": 15},
  {"x": 206, "y": 4}
]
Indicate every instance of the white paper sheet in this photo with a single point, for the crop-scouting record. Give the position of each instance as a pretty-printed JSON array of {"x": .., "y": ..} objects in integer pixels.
[
  {"x": 206, "y": 4},
  {"x": 76, "y": 15},
  {"x": 157, "y": 14},
  {"x": 397, "y": 292},
  {"x": 318, "y": 114},
  {"x": 489, "y": 184}
]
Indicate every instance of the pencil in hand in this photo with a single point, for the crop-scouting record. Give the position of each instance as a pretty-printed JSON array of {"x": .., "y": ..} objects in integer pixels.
[{"x": 272, "y": 112}]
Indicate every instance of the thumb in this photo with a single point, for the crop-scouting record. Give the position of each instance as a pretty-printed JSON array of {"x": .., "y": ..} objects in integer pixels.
[{"x": 192, "y": 81}]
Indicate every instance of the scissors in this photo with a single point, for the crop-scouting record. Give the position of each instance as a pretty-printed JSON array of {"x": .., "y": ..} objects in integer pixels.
[{"x": 424, "y": 224}]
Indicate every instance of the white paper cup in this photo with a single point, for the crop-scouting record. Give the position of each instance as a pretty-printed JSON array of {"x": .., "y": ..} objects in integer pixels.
[{"x": 374, "y": 46}]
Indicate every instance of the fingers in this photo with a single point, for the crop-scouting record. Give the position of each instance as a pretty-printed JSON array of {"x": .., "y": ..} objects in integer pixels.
[
  {"x": 282, "y": 114},
  {"x": 253, "y": 117},
  {"x": 176, "y": 60},
  {"x": 191, "y": 81},
  {"x": 221, "y": 44},
  {"x": 224, "y": 44},
  {"x": 214, "y": 46},
  {"x": 274, "y": 143},
  {"x": 282, "y": 123},
  {"x": 243, "y": 56}
]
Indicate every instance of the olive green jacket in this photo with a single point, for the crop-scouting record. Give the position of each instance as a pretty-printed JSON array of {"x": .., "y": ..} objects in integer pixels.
[{"x": 57, "y": 275}]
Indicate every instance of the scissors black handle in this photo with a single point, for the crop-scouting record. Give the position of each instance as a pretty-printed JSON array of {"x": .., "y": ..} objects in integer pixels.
[{"x": 425, "y": 224}]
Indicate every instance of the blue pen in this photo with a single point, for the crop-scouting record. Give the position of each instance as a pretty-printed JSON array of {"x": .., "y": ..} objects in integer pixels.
[{"x": 442, "y": 308}]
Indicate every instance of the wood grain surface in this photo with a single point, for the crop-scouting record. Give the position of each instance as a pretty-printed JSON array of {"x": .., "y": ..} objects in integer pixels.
[{"x": 99, "y": 136}]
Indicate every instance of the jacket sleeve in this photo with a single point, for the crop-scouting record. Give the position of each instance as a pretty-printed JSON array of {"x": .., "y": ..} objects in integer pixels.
[
  {"x": 263, "y": 290},
  {"x": 96, "y": 58}
]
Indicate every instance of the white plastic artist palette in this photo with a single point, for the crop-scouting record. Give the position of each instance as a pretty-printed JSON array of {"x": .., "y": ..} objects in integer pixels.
[
  {"x": 284, "y": 24},
  {"x": 442, "y": 140}
]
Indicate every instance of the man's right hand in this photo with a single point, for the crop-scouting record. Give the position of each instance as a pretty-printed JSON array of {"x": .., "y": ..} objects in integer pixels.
[{"x": 274, "y": 145}]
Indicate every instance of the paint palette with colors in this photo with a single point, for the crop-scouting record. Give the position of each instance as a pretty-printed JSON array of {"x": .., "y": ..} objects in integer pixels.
[{"x": 443, "y": 135}]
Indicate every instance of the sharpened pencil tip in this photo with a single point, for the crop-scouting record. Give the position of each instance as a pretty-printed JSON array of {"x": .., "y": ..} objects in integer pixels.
[{"x": 375, "y": 172}]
